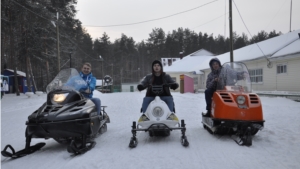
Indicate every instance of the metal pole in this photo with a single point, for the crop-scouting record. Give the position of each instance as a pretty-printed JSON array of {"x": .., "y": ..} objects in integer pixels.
[
  {"x": 70, "y": 60},
  {"x": 102, "y": 76},
  {"x": 112, "y": 75},
  {"x": 230, "y": 30},
  {"x": 58, "y": 54},
  {"x": 291, "y": 17}
]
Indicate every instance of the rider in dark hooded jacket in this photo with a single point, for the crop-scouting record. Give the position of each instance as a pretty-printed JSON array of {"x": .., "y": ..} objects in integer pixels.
[
  {"x": 228, "y": 77},
  {"x": 211, "y": 82},
  {"x": 157, "y": 77}
]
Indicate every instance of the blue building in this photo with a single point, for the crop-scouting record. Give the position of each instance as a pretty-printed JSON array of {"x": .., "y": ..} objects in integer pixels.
[{"x": 22, "y": 84}]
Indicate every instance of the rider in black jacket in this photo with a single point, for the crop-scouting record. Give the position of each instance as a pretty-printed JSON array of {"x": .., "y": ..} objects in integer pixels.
[{"x": 157, "y": 77}]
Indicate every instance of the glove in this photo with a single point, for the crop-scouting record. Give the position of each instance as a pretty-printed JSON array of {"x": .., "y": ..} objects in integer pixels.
[
  {"x": 140, "y": 87},
  {"x": 85, "y": 90},
  {"x": 174, "y": 86}
]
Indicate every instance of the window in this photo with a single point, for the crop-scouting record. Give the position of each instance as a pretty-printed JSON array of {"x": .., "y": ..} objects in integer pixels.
[
  {"x": 281, "y": 69},
  {"x": 195, "y": 80},
  {"x": 256, "y": 75}
]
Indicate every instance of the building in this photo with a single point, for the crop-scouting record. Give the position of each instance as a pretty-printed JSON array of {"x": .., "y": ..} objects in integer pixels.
[
  {"x": 274, "y": 64},
  {"x": 22, "y": 84},
  {"x": 190, "y": 65},
  {"x": 168, "y": 61}
]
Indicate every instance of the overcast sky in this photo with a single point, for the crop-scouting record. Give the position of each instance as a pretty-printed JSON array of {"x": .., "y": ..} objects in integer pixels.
[{"x": 258, "y": 15}]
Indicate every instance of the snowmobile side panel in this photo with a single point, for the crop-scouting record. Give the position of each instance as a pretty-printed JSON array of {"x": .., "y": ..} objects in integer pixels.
[{"x": 224, "y": 106}]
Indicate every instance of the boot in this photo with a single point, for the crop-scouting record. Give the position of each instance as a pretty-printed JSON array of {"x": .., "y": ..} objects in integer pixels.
[{"x": 207, "y": 114}]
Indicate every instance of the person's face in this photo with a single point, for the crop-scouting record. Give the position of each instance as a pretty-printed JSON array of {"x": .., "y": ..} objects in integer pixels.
[
  {"x": 215, "y": 65},
  {"x": 86, "y": 69},
  {"x": 156, "y": 68}
]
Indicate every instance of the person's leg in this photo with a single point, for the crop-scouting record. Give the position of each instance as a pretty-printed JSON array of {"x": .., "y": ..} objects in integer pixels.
[
  {"x": 169, "y": 101},
  {"x": 146, "y": 103},
  {"x": 97, "y": 103},
  {"x": 208, "y": 95}
]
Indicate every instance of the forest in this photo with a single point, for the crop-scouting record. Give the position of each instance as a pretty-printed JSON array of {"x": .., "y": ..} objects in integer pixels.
[{"x": 41, "y": 37}]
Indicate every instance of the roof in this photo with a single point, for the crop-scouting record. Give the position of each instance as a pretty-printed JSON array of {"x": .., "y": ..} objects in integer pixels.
[
  {"x": 283, "y": 45},
  {"x": 202, "y": 52},
  {"x": 18, "y": 72},
  {"x": 190, "y": 63}
]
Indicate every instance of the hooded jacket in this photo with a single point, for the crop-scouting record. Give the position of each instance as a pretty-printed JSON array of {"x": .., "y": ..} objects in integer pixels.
[
  {"x": 91, "y": 82},
  {"x": 210, "y": 82},
  {"x": 151, "y": 79}
]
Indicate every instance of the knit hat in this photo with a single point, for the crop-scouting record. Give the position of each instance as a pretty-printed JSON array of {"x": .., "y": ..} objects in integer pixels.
[{"x": 157, "y": 62}]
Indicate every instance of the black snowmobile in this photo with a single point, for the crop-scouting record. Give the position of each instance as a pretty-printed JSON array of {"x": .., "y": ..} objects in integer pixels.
[{"x": 67, "y": 117}]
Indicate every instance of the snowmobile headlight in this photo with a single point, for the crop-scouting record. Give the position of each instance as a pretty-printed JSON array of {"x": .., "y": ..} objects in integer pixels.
[
  {"x": 172, "y": 117},
  {"x": 157, "y": 112},
  {"x": 58, "y": 98},
  {"x": 241, "y": 99},
  {"x": 143, "y": 118}
]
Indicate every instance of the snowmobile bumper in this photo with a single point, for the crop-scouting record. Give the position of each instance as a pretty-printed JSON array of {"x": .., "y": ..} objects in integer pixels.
[
  {"x": 169, "y": 124},
  {"x": 69, "y": 128},
  {"x": 242, "y": 131},
  {"x": 158, "y": 127},
  {"x": 215, "y": 124}
]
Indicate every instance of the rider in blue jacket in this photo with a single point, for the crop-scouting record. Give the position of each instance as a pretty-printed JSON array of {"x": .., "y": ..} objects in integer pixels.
[{"x": 86, "y": 84}]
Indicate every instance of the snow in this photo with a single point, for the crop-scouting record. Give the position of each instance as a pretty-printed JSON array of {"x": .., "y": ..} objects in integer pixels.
[{"x": 276, "y": 146}]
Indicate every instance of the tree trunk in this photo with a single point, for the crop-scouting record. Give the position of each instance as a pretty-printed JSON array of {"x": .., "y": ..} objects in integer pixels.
[
  {"x": 33, "y": 81},
  {"x": 12, "y": 54}
]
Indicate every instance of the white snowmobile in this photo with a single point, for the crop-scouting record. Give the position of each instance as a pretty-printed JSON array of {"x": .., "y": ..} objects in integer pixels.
[{"x": 158, "y": 120}]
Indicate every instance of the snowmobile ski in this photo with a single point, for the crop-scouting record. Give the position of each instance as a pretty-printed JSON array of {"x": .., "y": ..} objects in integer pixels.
[{"x": 21, "y": 153}]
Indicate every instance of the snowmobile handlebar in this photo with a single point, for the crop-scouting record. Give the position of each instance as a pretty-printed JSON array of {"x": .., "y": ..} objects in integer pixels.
[{"x": 158, "y": 89}]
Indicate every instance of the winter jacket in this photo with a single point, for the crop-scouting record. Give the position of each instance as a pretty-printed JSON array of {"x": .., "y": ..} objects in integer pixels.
[
  {"x": 226, "y": 76},
  {"x": 91, "y": 82},
  {"x": 210, "y": 81},
  {"x": 82, "y": 83},
  {"x": 148, "y": 80}
]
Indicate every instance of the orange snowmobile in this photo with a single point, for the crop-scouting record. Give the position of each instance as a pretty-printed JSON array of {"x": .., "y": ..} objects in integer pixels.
[{"x": 235, "y": 110}]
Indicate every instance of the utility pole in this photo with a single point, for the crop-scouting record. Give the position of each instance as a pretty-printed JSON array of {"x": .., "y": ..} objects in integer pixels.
[
  {"x": 70, "y": 60},
  {"x": 121, "y": 72},
  {"x": 57, "y": 33},
  {"x": 291, "y": 16},
  {"x": 102, "y": 60},
  {"x": 230, "y": 30},
  {"x": 112, "y": 75}
]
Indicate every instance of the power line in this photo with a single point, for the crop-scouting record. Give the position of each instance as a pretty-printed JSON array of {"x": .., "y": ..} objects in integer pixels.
[
  {"x": 210, "y": 21},
  {"x": 30, "y": 10},
  {"x": 249, "y": 32},
  {"x": 152, "y": 19},
  {"x": 276, "y": 13}
]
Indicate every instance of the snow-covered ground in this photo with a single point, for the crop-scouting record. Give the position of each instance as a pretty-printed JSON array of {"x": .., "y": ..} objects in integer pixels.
[{"x": 276, "y": 146}]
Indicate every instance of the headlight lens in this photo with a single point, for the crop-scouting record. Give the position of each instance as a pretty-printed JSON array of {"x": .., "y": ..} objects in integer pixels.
[
  {"x": 240, "y": 99},
  {"x": 143, "y": 118},
  {"x": 172, "y": 117},
  {"x": 157, "y": 112},
  {"x": 58, "y": 98}
]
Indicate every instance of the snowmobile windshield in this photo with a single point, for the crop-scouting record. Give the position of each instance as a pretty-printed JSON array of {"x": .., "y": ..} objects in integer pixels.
[
  {"x": 234, "y": 76},
  {"x": 67, "y": 79}
]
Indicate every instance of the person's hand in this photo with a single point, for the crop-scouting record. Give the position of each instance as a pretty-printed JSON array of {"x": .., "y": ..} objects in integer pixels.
[
  {"x": 140, "y": 87},
  {"x": 174, "y": 86},
  {"x": 246, "y": 74},
  {"x": 85, "y": 90}
]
